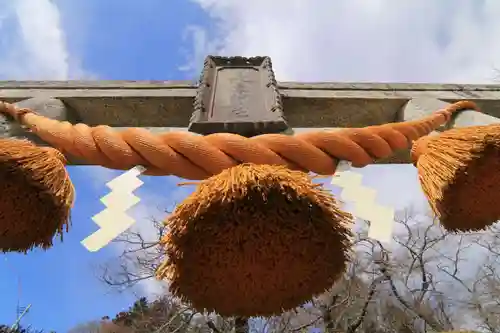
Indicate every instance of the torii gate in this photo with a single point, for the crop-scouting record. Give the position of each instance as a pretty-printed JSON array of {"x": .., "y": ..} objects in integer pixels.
[{"x": 240, "y": 95}]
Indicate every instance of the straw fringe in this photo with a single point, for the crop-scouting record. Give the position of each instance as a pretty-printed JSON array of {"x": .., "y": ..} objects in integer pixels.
[
  {"x": 459, "y": 174},
  {"x": 36, "y": 198},
  {"x": 255, "y": 241}
]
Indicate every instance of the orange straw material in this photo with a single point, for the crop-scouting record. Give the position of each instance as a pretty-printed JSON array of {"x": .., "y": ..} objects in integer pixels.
[{"x": 196, "y": 157}]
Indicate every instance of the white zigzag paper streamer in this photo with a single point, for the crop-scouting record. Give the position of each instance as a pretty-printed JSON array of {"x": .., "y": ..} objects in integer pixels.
[
  {"x": 113, "y": 220},
  {"x": 365, "y": 206}
]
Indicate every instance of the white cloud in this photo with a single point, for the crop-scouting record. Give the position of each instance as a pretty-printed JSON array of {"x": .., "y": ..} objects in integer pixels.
[
  {"x": 359, "y": 40},
  {"x": 33, "y": 42}
]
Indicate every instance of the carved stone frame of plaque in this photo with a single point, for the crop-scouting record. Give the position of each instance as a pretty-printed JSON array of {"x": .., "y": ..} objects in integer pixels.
[{"x": 238, "y": 95}]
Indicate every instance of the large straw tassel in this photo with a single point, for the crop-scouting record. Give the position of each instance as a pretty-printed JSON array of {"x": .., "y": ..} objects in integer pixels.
[
  {"x": 459, "y": 171},
  {"x": 36, "y": 196},
  {"x": 255, "y": 240}
]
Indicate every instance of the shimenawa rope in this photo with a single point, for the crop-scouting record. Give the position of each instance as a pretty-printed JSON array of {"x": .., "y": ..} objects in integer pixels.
[{"x": 195, "y": 157}]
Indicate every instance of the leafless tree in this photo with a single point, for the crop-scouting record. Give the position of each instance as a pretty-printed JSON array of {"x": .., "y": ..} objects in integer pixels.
[
  {"x": 413, "y": 285},
  {"x": 137, "y": 264},
  {"x": 426, "y": 280}
]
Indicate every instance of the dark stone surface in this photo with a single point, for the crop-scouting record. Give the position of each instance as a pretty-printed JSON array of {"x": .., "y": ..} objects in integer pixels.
[
  {"x": 133, "y": 111},
  {"x": 340, "y": 112},
  {"x": 238, "y": 95},
  {"x": 170, "y": 104}
]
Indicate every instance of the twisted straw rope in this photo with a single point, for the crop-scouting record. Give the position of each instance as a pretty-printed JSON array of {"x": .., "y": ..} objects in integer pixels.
[{"x": 196, "y": 157}]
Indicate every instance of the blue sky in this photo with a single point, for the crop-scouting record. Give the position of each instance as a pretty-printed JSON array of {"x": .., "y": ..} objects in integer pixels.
[
  {"x": 124, "y": 41},
  {"x": 114, "y": 40},
  {"x": 154, "y": 39}
]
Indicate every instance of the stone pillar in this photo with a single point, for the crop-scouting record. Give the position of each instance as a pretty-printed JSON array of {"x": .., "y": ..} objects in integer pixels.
[
  {"x": 472, "y": 118},
  {"x": 423, "y": 106},
  {"x": 48, "y": 107},
  {"x": 45, "y": 106}
]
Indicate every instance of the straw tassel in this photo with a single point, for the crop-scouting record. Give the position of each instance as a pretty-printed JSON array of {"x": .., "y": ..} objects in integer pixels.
[
  {"x": 36, "y": 196},
  {"x": 255, "y": 240},
  {"x": 459, "y": 171}
]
